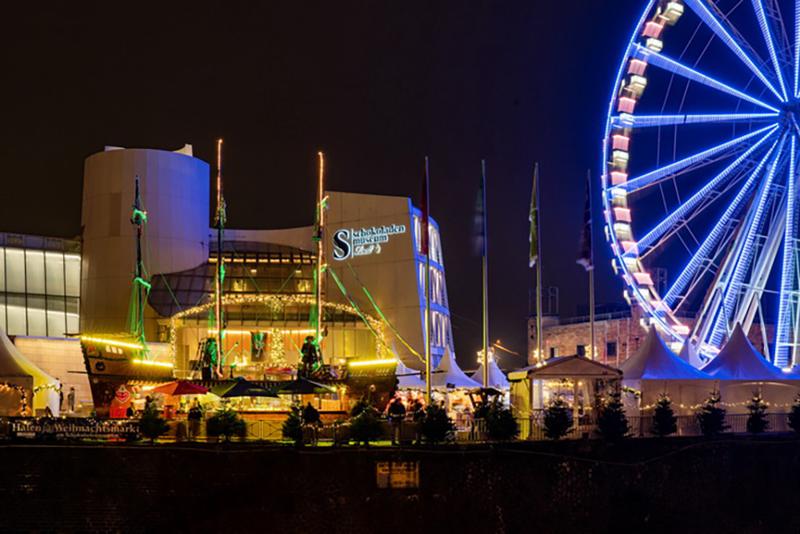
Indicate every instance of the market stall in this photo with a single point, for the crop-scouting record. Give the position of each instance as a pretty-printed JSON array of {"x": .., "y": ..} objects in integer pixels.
[
  {"x": 655, "y": 370},
  {"x": 741, "y": 370}
]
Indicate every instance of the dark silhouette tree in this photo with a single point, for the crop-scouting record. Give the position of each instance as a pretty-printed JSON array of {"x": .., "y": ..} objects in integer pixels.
[
  {"x": 664, "y": 420},
  {"x": 557, "y": 418}
]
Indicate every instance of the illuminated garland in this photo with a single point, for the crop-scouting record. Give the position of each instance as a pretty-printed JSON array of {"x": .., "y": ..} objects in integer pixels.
[
  {"x": 275, "y": 302},
  {"x": 23, "y": 398}
]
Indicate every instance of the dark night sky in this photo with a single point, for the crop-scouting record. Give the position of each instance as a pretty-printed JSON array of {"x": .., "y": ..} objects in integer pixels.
[{"x": 377, "y": 85}]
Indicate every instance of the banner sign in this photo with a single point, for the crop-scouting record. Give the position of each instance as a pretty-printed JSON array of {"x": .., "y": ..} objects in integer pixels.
[
  {"x": 348, "y": 242},
  {"x": 73, "y": 428}
]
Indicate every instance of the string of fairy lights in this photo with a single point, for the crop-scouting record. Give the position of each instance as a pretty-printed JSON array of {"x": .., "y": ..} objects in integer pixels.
[{"x": 275, "y": 302}]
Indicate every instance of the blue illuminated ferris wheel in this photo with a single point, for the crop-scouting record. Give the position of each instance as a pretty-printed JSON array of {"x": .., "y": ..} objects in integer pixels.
[{"x": 700, "y": 181}]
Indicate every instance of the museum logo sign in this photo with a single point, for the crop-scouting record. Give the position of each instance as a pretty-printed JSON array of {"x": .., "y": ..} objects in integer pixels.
[{"x": 350, "y": 242}]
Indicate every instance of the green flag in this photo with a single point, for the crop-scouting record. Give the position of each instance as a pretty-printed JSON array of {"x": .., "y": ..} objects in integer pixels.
[{"x": 533, "y": 217}]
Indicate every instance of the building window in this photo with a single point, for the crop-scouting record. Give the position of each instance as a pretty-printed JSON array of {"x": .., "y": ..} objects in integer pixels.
[
  {"x": 581, "y": 350},
  {"x": 553, "y": 352},
  {"x": 611, "y": 349}
]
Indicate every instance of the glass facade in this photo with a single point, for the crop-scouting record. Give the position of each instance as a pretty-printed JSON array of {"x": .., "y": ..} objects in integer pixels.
[
  {"x": 441, "y": 333},
  {"x": 39, "y": 285}
]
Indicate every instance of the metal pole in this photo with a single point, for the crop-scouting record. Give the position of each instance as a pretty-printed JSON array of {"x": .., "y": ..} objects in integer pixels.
[
  {"x": 539, "y": 340},
  {"x": 220, "y": 259},
  {"x": 320, "y": 250},
  {"x": 591, "y": 263},
  {"x": 485, "y": 268},
  {"x": 427, "y": 286}
]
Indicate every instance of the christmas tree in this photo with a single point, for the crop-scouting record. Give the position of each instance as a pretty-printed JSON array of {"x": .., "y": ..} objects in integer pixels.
[
  {"x": 757, "y": 420},
  {"x": 794, "y": 415},
  {"x": 612, "y": 423},
  {"x": 711, "y": 416},
  {"x": 557, "y": 418},
  {"x": 664, "y": 420}
]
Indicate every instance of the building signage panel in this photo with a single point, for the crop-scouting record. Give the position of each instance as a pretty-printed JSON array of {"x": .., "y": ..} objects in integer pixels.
[{"x": 349, "y": 242}]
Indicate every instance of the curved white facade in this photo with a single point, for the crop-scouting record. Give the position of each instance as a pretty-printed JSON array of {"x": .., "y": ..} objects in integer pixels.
[{"x": 175, "y": 194}]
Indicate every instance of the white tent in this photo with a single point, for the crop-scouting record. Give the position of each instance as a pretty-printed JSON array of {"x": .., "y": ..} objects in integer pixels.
[
  {"x": 408, "y": 378},
  {"x": 497, "y": 379},
  {"x": 39, "y": 385},
  {"x": 654, "y": 369},
  {"x": 741, "y": 370},
  {"x": 448, "y": 374},
  {"x": 739, "y": 360}
]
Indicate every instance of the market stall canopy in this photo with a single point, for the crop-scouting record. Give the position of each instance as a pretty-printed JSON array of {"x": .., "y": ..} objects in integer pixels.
[
  {"x": 565, "y": 367},
  {"x": 739, "y": 360},
  {"x": 241, "y": 388},
  {"x": 408, "y": 378},
  {"x": 654, "y": 361},
  {"x": 304, "y": 386},
  {"x": 449, "y": 375},
  {"x": 497, "y": 377},
  {"x": 180, "y": 387},
  {"x": 16, "y": 369}
]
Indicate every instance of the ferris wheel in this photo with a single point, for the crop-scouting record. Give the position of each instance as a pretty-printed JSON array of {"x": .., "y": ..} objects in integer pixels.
[{"x": 700, "y": 189}]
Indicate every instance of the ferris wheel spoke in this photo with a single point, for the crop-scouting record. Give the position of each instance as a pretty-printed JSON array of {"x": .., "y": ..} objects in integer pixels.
[
  {"x": 769, "y": 39},
  {"x": 796, "y": 47},
  {"x": 788, "y": 277},
  {"x": 704, "y": 252},
  {"x": 640, "y": 182},
  {"x": 702, "y": 194},
  {"x": 742, "y": 255},
  {"x": 647, "y": 121},
  {"x": 666, "y": 63},
  {"x": 711, "y": 20}
]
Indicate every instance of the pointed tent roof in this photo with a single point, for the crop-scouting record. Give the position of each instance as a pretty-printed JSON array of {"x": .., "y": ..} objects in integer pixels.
[
  {"x": 654, "y": 361},
  {"x": 497, "y": 379},
  {"x": 449, "y": 375},
  {"x": 408, "y": 378},
  {"x": 739, "y": 360}
]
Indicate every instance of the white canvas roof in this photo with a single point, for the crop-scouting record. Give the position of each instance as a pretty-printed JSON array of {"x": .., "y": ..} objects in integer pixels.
[
  {"x": 449, "y": 375},
  {"x": 408, "y": 378},
  {"x": 13, "y": 364},
  {"x": 739, "y": 360},
  {"x": 654, "y": 361},
  {"x": 497, "y": 379}
]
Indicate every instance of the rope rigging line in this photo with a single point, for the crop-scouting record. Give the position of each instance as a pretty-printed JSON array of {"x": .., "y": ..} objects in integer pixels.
[{"x": 382, "y": 316}]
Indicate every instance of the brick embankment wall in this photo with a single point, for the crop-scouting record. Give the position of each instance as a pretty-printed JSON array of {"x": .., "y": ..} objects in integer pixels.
[{"x": 739, "y": 485}]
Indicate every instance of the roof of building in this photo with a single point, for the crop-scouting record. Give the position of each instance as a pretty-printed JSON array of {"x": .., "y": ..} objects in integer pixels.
[
  {"x": 564, "y": 367},
  {"x": 739, "y": 360},
  {"x": 654, "y": 361}
]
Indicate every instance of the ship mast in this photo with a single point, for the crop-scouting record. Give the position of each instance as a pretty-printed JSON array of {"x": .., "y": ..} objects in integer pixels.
[
  {"x": 140, "y": 286},
  {"x": 220, "y": 274},
  {"x": 318, "y": 234}
]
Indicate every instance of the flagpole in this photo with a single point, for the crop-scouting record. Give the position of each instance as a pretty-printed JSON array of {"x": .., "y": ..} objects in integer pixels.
[
  {"x": 539, "y": 341},
  {"x": 591, "y": 260},
  {"x": 485, "y": 265},
  {"x": 426, "y": 238},
  {"x": 220, "y": 261},
  {"x": 320, "y": 251}
]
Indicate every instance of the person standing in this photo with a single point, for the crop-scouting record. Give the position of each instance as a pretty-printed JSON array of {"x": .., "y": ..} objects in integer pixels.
[
  {"x": 396, "y": 412},
  {"x": 71, "y": 400}
]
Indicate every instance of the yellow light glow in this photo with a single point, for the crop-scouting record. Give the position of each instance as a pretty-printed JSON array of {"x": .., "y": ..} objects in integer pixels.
[
  {"x": 369, "y": 363},
  {"x": 152, "y": 363},
  {"x": 113, "y": 342},
  {"x": 267, "y": 330}
]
